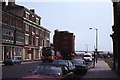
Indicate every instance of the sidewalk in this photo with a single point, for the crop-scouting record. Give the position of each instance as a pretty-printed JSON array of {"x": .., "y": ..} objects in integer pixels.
[
  {"x": 101, "y": 71},
  {"x": 28, "y": 62}
]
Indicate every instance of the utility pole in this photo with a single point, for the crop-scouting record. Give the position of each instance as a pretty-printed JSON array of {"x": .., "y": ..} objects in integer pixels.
[{"x": 96, "y": 48}]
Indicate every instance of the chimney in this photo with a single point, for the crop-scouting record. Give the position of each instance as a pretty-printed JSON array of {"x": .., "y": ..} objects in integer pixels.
[
  {"x": 56, "y": 31},
  {"x": 11, "y": 3},
  {"x": 32, "y": 10},
  {"x": 3, "y": 5}
]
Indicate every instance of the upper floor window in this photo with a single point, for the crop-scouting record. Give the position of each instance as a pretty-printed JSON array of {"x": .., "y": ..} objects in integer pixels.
[
  {"x": 37, "y": 31},
  {"x": 33, "y": 17},
  {"x": 27, "y": 14},
  {"x": 36, "y": 41},
  {"x": 6, "y": 19},
  {"x": 26, "y": 27},
  {"x": 26, "y": 39},
  {"x": 37, "y": 20}
]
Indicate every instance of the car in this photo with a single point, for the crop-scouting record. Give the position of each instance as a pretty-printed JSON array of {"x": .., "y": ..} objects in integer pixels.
[
  {"x": 87, "y": 57},
  {"x": 12, "y": 61},
  {"x": 68, "y": 63},
  {"x": 80, "y": 65},
  {"x": 49, "y": 72}
]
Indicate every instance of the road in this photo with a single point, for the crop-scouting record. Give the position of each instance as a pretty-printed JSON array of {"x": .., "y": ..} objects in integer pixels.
[
  {"x": 100, "y": 71},
  {"x": 17, "y": 71}
]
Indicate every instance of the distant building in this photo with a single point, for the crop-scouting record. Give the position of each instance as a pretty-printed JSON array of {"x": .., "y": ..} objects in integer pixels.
[
  {"x": 116, "y": 36},
  {"x": 23, "y": 36}
]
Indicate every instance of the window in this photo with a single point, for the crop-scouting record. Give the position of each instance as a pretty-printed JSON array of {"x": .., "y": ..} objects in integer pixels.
[
  {"x": 18, "y": 51},
  {"x": 32, "y": 17},
  {"x": 36, "y": 42},
  {"x": 6, "y": 19},
  {"x": 26, "y": 27},
  {"x": 32, "y": 40},
  {"x": 37, "y": 31},
  {"x": 26, "y": 39},
  {"x": 36, "y": 54},
  {"x": 26, "y": 54},
  {"x": 8, "y": 35},
  {"x": 27, "y": 15},
  {"x": 37, "y": 20}
]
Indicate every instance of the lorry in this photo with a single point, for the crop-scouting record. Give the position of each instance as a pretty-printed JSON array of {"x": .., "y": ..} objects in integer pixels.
[
  {"x": 48, "y": 54},
  {"x": 64, "y": 42}
]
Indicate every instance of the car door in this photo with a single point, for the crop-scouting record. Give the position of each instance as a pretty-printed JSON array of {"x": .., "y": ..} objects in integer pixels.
[
  {"x": 71, "y": 66},
  {"x": 67, "y": 74}
]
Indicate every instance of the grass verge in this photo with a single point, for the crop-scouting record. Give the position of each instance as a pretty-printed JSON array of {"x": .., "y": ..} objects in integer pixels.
[{"x": 109, "y": 62}]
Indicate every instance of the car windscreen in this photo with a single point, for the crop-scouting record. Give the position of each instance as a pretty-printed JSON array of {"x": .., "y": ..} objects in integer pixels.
[
  {"x": 86, "y": 55},
  {"x": 48, "y": 70},
  {"x": 60, "y": 63},
  {"x": 77, "y": 62}
]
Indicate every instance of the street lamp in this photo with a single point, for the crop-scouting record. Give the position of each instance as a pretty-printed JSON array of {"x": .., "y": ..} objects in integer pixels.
[{"x": 96, "y": 48}]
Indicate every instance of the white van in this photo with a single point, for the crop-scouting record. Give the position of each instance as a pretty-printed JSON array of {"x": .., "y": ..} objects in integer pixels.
[{"x": 87, "y": 57}]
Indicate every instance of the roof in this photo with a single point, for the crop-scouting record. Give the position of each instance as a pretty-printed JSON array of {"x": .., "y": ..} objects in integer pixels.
[
  {"x": 87, "y": 54},
  {"x": 21, "y": 7}
]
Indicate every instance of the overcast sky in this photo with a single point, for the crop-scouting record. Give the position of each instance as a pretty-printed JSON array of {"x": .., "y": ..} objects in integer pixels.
[{"x": 78, "y": 17}]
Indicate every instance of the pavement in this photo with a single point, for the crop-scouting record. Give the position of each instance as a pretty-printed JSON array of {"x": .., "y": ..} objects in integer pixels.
[{"x": 101, "y": 71}]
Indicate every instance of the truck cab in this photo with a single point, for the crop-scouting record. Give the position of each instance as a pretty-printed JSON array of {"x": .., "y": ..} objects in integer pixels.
[{"x": 48, "y": 54}]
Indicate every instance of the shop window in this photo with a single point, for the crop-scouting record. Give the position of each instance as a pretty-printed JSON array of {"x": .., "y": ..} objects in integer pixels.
[
  {"x": 36, "y": 54},
  {"x": 26, "y": 54},
  {"x": 18, "y": 51}
]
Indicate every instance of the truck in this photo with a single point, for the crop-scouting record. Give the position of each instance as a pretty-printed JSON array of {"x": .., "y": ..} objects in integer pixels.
[
  {"x": 48, "y": 54},
  {"x": 64, "y": 42}
]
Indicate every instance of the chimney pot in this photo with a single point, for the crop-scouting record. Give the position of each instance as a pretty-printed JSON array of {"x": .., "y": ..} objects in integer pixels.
[
  {"x": 11, "y": 3},
  {"x": 4, "y": 5}
]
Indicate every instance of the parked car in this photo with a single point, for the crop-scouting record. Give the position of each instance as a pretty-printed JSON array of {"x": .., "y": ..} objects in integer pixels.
[
  {"x": 49, "y": 72},
  {"x": 68, "y": 63},
  {"x": 80, "y": 65},
  {"x": 87, "y": 57},
  {"x": 12, "y": 61}
]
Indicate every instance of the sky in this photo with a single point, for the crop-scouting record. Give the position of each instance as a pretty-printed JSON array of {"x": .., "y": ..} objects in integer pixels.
[{"x": 77, "y": 17}]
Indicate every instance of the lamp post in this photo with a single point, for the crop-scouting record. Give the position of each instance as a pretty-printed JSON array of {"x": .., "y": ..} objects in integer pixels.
[{"x": 96, "y": 48}]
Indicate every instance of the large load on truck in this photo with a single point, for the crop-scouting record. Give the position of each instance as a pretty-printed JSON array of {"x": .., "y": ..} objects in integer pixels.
[{"x": 64, "y": 43}]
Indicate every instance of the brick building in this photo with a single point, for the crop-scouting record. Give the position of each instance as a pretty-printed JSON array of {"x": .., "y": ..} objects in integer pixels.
[
  {"x": 12, "y": 34},
  {"x": 116, "y": 36},
  {"x": 28, "y": 37}
]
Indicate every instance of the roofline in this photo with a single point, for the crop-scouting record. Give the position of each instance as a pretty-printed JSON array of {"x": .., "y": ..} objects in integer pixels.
[
  {"x": 115, "y": 0},
  {"x": 44, "y": 28},
  {"x": 23, "y": 8}
]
